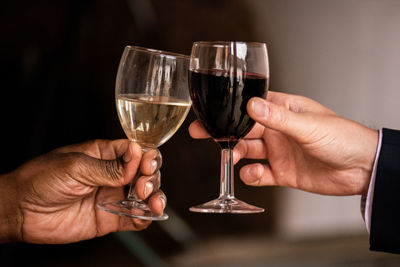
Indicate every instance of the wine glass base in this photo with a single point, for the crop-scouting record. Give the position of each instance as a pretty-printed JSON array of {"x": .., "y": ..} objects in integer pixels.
[
  {"x": 132, "y": 209},
  {"x": 226, "y": 205}
]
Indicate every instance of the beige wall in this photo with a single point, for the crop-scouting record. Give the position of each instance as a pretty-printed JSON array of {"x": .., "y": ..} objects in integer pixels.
[{"x": 346, "y": 55}]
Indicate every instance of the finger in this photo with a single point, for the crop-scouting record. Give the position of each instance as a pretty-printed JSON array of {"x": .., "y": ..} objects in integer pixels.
[
  {"x": 131, "y": 158},
  {"x": 108, "y": 222},
  {"x": 151, "y": 162},
  {"x": 146, "y": 185},
  {"x": 297, "y": 125},
  {"x": 296, "y": 103},
  {"x": 257, "y": 174},
  {"x": 250, "y": 149},
  {"x": 256, "y": 132},
  {"x": 97, "y": 172},
  {"x": 101, "y": 149},
  {"x": 132, "y": 224},
  {"x": 196, "y": 130},
  {"x": 158, "y": 202}
]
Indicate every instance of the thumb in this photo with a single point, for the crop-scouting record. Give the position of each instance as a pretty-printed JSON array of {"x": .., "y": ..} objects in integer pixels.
[
  {"x": 112, "y": 172},
  {"x": 279, "y": 118}
]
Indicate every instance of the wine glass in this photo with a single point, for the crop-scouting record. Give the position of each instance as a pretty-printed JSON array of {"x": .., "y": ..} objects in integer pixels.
[
  {"x": 152, "y": 100},
  {"x": 223, "y": 76}
]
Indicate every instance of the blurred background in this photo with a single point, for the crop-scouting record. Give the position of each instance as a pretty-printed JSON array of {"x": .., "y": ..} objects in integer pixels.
[{"x": 58, "y": 65}]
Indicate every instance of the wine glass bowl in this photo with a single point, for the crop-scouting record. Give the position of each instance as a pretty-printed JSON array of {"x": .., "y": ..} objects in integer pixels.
[
  {"x": 223, "y": 76},
  {"x": 152, "y": 101}
]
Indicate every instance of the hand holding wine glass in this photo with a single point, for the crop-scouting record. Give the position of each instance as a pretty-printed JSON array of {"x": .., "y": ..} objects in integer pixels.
[
  {"x": 308, "y": 147},
  {"x": 52, "y": 199}
]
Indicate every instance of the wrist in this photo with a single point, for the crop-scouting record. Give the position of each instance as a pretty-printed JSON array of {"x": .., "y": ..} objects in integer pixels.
[
  {"x": 370, "y": 156},
  {"x": 10, "y": 215}
]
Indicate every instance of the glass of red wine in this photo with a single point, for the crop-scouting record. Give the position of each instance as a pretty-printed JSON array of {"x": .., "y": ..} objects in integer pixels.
[{"x": 223, "y": 76}]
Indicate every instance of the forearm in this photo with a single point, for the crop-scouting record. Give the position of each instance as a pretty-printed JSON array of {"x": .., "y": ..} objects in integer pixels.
[{"x": 10, "y": 215}]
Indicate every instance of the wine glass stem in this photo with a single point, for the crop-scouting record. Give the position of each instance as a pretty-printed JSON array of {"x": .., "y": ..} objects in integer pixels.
[{"x": 227, "y": 172}]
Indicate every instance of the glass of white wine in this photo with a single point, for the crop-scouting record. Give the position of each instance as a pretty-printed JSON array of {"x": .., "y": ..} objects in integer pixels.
[{"x": 152, "y": 100}]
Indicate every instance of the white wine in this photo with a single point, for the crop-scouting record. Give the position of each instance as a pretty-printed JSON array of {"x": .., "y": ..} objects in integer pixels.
[{"x": 150, "y": 121}]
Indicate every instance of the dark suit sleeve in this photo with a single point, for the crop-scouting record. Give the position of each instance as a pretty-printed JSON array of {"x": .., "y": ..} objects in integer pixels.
[{"x": 385, "y": 216}]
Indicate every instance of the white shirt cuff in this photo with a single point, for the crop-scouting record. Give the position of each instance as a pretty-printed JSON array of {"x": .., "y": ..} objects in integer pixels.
[{"x": 366, "y": 202}]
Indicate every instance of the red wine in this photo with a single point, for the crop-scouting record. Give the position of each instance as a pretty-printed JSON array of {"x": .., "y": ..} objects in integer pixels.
[{"x": 219, "y": 102}]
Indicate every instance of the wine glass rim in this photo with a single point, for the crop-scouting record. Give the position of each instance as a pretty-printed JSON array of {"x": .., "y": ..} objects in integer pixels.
[
  {"x": 156, "y": 51},
  {"x": 218, "y": 43}
]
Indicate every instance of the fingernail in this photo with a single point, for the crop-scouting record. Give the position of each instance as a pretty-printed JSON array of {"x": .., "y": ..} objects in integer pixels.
[
  {"x": 154, "y": 164},
  {"x": 259, "y": 107},
  {"x": 148, "y": 188},
  {"x": 127, "y": 156},
  {"x": 255, "y": 171}
]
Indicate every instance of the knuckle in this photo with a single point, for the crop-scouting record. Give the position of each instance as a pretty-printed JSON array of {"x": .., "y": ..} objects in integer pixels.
[
  {"x": 156, "y": 179},
  {"x": 89, "y": 145},
  {"x": 242, "y": 148},
  {"x": 279, "y": 117},
  {"x": 114, "y": 168},
  {"x": 73, "y": 161},
  {"x": 94, "y": 147},
  {"x": 93, "y": 142},
  {"x": 295, "y": 105},
  {"x": 288, "y": 101},
  {"x": 159, "y": 159},
  {"x": 139, "y": 224},
  {"x": 163, "y": 197},
  {"x": 157, "y": 176},
  {"x": 71, "y": 164}
]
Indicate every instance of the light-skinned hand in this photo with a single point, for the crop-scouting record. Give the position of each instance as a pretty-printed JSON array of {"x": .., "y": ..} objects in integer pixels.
[{"x": 308, "y": 147}]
